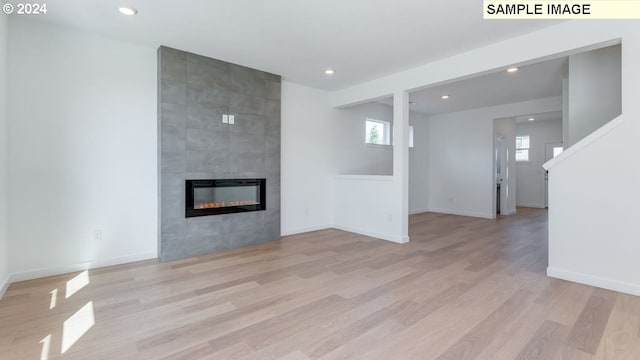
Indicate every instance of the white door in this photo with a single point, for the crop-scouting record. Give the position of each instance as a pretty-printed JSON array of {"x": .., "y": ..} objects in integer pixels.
[
  {"x": 551, "y": 150},
  {"x": 502, "y": 173}
]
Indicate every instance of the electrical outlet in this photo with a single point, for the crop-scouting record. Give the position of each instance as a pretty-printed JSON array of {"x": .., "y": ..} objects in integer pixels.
[
  {"x": 225, "y": 118},
  {"x": 232, "y": 119},
  {"x": 97, "y": 234}
]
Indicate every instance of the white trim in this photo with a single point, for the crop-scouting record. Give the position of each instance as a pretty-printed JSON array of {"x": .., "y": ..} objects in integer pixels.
[
  {"x": 418, "y": 211},
  {"x": 44, "y": 272},
  {"x": 364, "y": 177},
  {"x": 4, "y": 286},
  {"x": 304, "y": 230},
  {"x": 509, "y": 212},
  {"x": 535, "y": 206},
  {"x": 379, "y": 146},
  {"x": 388, "y": 237},
  {"x": 463, "y": 213},
  {"x": 586, "y": 141},
  {"x": 597, "y": 281}
]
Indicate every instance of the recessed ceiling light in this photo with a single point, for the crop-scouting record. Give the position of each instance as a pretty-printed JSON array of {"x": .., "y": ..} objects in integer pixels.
[
  {"x": 512, "y": 69},
  {"x": 329, "y": 72},
  {"x": 129, "y": 11},
  {"x": 445, "y": 97},
  {"x": 531, "y": 119}
]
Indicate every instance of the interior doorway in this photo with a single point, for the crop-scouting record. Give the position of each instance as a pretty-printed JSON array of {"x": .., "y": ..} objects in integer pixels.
[
  {"x": 504, "y": 166},
  {"x": 551, "y": 150},
  {"x": 502, "y": 174}
]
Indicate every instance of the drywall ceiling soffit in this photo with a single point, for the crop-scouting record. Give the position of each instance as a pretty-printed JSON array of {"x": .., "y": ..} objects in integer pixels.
[{"x": 535, "y": 81}]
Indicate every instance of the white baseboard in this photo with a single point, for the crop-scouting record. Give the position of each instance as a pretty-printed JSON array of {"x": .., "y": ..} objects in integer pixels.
[
  {"x": 44, "y": 272},
  {"x": 388, "y": 237},
  {"x": 4, "y": 285},
  {"x": 418, "y": 211},
  {"x": 464, "y": 213},
  {"x": 605, "y": 283},
  {"x": 304, "y": 230},
  {"x": 535, "y": 206},
  {"x": 509, "y": 212}
]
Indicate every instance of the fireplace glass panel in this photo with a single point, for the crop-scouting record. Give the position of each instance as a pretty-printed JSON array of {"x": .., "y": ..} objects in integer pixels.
[{"x": 220, "y": 197}]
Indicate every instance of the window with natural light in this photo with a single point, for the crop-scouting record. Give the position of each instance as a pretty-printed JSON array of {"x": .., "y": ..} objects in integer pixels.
[
  {"x": 522, "y": 148},
  {"x": 410, "y": 136},
  {"x": 377, "y": 132},
  {"x": 557, "y": 150}
]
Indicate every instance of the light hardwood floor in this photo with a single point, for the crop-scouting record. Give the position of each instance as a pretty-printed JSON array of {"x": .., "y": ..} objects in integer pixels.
[{"x": 463, "y": 288}]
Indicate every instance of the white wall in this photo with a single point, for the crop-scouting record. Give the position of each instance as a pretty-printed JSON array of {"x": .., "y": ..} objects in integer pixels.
[
  {"x": 375, "y": 205},
  {"x": 461, "y": 156},
  {"x": 419, "y": 164},
  {"x": 593, "y": 208},
  {"x": 594, "y": 91},
  {"x": 4, "y": 156},
  {"x": 531, "y": 182},
  {"x": 379, "y": 205},
  {"x": 356, "y": 157},
  {"x": 366, "y": 215},
  {"x": 365, "y": 202},
  {"x": 83, "y": 144},
  {"x": 565, "y": 112},
  {"x": 318, "y": 143},
  {"x": 593, "y": 195},
  {"x": 308, "y": 127},
  {"x": 460, "y": 163}
]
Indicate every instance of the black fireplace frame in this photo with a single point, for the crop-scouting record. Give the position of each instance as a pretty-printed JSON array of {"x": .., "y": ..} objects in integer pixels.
[{"x": 191, "y": 185}]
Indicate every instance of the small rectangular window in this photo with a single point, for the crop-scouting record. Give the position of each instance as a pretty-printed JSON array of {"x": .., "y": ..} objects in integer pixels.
[
  {"x": 410, "y": 136},
  {"x": 557, "y": 150},
  {"x": 522, "y": 148},
  {"x": 377, "y": 132}
]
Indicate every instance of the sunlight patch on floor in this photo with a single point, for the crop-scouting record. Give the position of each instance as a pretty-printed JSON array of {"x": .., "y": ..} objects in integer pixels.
[
  {"x": 77, "y": 325},
  {"x": 46, "y": 344},
  {"x": 77, "y": 283},
  {"x": 54, "y": 298}
]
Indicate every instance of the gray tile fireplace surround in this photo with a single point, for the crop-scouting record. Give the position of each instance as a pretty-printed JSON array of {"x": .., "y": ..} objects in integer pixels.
[{"x": 194, "y": 92}]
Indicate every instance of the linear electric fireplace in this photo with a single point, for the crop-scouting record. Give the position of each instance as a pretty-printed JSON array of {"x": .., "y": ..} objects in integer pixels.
[{"x": 215, "y": 197}]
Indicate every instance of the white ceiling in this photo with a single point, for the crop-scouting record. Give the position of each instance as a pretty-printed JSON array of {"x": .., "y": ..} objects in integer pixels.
[
  {"x": 530, "y": 82},
  {"x": 361, "y": 39},
  {"x": 548, "y": 116}
]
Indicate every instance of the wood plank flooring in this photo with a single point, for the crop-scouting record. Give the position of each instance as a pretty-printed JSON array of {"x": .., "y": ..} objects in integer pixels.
[{"x": 463, "y": 288}]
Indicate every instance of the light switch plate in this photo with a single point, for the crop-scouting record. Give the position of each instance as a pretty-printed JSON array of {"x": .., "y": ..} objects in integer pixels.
[
  {"x": 232, "y": 119},
  {"x": 225, "y": 118}
]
